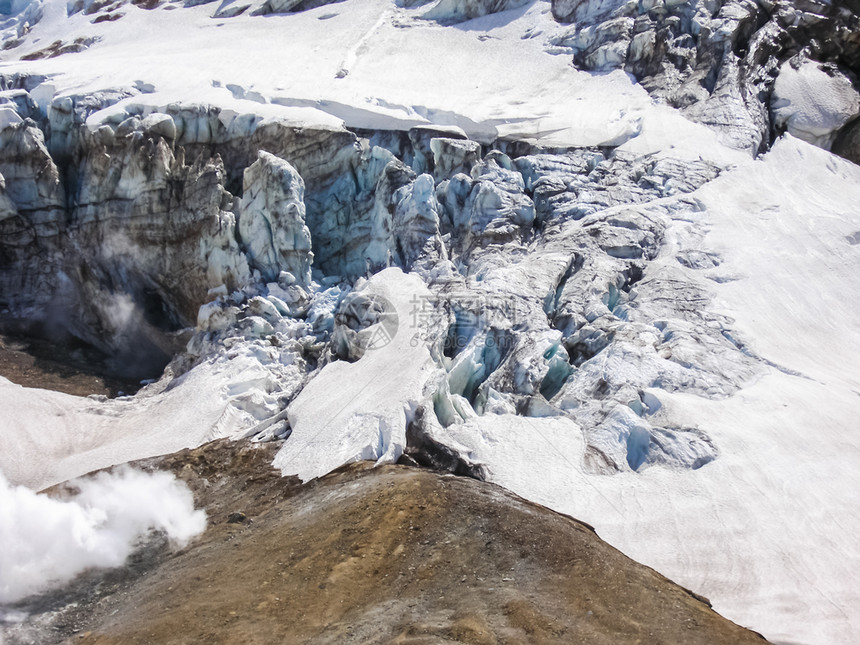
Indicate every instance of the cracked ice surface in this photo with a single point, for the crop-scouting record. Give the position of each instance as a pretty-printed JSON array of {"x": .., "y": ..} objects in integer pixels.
[
  {"x": 766, "y": 529},
  {"x": 359, "y": 411}
]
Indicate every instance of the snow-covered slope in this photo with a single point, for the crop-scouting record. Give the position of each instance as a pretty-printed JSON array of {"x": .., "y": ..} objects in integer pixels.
[
  {"x": 519, "y": 270},
  {"x": 765, "y": 530},
  {"x": 368, "y": 62}
]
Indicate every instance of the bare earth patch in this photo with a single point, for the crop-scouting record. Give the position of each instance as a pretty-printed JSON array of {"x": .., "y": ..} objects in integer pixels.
[
  {"x": 373, "y": 555},
  {"x": 34, "y": 363}
]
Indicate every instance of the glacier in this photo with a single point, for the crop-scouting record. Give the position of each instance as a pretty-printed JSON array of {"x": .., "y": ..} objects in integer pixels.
[{"x": 602, "y": 254}]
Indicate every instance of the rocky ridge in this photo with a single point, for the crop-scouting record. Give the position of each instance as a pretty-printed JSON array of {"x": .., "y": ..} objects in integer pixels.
[
  {"x": 729, "y": 64},
  {"x": 368, "y": 555}
]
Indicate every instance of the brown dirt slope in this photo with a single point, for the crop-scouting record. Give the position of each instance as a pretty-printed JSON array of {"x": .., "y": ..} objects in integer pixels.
[
  {"x": 38, "y": 363},
  {"x": 386, "y": 555}
]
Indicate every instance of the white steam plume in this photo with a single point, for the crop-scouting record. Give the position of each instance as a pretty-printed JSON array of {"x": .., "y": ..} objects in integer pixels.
[{"x": 45, "y": 542}]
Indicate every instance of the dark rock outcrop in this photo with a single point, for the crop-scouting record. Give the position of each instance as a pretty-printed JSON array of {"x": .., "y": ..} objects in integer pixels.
[
  {"x": 716, "y": 61},
  {"x": 847, "y": 142}
]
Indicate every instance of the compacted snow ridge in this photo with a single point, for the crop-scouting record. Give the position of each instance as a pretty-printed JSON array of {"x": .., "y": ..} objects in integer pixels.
[{"x": 603, "y": 254}]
